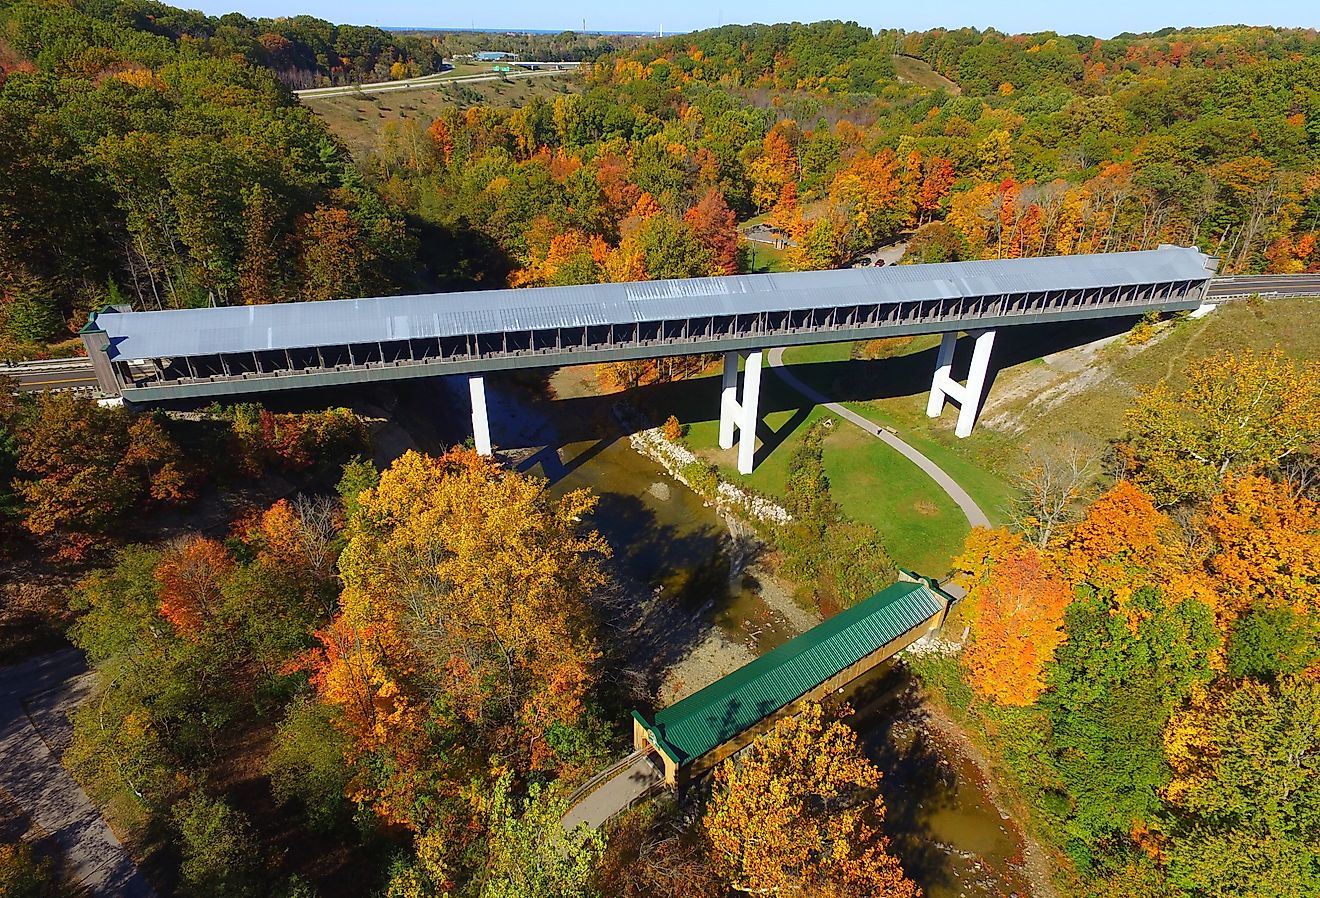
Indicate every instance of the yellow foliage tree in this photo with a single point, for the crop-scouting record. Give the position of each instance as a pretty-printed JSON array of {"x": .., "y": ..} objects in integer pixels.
[
  {"x": 1268, "y": 545},
  {"x": 1240, "y": 412},
  {"x": 1018, "y": 626},
  {"x": 484, "y": 580},
  {"x": 795, "y": 815}
]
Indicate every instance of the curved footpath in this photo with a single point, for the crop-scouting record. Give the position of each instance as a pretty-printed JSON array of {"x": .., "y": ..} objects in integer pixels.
[
  {"x": 35, "y": 697},
  {"x": 975, "y": 516}
]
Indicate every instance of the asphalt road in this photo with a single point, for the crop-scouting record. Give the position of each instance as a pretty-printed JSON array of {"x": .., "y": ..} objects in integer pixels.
[
  {"x": 1266, "y": 285},
  {"x": 35, "y": 698},
  {"x": 76, "y": 374},
  {"x": 64, "y": 376}
]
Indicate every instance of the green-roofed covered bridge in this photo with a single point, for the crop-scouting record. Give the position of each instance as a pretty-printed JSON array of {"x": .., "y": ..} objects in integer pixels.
[
  {"x": 708, "y": 726},
  {"x": 695, "y": 734}
]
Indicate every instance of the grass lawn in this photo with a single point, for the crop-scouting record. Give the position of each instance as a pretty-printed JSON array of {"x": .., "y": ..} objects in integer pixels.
[
  {"x": 764, "y": 258},
  {"x": 360, "y": 119},
  {"x": 920, "y": 525},
  {"x": 977, "y": 463}
]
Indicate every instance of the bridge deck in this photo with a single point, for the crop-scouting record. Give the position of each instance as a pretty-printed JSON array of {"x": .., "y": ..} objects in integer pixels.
[
  {"x": 826, "y": 656},
  {"x": 186, "y": 353}
]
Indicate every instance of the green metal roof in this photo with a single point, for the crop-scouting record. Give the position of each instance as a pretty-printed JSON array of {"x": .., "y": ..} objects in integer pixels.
[{"x": 709, "y": 718}]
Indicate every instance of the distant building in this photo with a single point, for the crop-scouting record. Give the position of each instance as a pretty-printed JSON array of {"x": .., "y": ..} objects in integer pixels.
[{"x": 493, "y": 56}]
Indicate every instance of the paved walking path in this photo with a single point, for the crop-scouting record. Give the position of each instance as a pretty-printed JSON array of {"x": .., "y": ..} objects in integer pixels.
[
  {"x": 975, "y": 516},
  {"x": 38, "y": 693},
  {"x": 615, "y": 794}
]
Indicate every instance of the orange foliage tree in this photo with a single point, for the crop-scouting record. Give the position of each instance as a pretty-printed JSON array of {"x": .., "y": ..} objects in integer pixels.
[
  {"x": 1017, "y": 627},
  {"x": 1267, "y": 545},
  {"x": 715, "y": 225},
  {"x": 1123, "y": 543},
  {"x": 82, "y": 468},
  {"x": 190, "y": 575}
]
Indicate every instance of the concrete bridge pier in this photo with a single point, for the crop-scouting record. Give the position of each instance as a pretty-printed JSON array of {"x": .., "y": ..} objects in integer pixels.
[
  {"x": 480, "y": 420},
  {"x": 741, "y": 414},
  {"x": 968, "y": 396}
]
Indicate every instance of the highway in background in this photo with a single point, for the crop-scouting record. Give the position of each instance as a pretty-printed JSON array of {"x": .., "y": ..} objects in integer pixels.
[
  {"x": 76, "y": 374},
  {"x": 439, "y": 80}
]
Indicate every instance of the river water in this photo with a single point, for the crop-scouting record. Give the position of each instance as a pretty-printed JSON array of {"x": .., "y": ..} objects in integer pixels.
[{"x": 943, "y": 825}]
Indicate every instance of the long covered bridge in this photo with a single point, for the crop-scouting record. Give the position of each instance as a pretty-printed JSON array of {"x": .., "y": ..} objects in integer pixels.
[{"x": 150, "y": 357}]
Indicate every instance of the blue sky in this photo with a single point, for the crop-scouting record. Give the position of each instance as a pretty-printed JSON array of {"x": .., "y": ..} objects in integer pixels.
[{"x": 1099, "y": 17}]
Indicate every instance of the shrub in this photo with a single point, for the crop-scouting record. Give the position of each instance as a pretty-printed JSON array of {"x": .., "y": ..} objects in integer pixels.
[
  {"x": 703, "y": 478},
  {"x": 307, "y": 764},
  {"x": 1143, "y": 330},
  {"x": 24, "y": 875},
  {"x": 219, "y": 852},
  {"x": 673, "y": 431}
]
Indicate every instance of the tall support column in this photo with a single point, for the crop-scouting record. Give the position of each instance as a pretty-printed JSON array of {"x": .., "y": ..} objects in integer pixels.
[
  {"x": 969, "y": 395},
  {"x": 751, "y": 398},
  {"x": 740, "y": 414},
  {"x": 943, "y": 372},
  {"x": 480, "y": 421},
  {"x": 728, "y": 399}
]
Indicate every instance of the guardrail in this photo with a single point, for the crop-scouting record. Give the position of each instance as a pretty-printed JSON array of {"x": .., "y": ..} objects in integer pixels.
[
  {"x": 576, "y": 797},
  {"x": 1213, "y": 298},
  {"x": 50, "y": 364}
]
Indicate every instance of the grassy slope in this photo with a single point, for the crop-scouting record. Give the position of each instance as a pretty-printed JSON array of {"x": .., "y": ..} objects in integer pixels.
[
  {"x": 1292, "y": 325},
  {"x": 359, "y": 119},
  {"x": 921, "y": 526},
  {"x": 918, "y": 71}
]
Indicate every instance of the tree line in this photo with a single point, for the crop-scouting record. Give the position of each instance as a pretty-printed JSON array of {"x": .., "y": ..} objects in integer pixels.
[
  {"x": 1146, "y": 657},
  {"x": 170, "y": 191}
]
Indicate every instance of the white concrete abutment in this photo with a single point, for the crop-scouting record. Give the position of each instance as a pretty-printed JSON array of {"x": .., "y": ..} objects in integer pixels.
[{"x": 968, "y": 395}]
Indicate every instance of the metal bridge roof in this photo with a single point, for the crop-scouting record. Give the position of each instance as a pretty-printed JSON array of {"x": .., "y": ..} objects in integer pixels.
[
  {"x": 707, "y": 719},
  {"x": 236, "y": 329}
]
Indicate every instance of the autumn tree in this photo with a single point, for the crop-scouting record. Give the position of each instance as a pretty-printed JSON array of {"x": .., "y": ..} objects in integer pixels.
[
  {"x": 775, "y": 166},
  {"x": 333, "y": 254},
  {"x": 650, "y": 854},
  {"x": 82, "y": 468},
  {"x": 259, "y": 266},
  {"x": 1016, "y": 628},
  {"x": 1121, "y": 544},
  {"x": 1267, "y": 545},
  {"x": 465, "y": 623},
  {"x": 190, "y": 576},
  {"x": 715, "y": 226},
  {"x": 868, "y": 194},
  {"x": 1244, "y": 794},
  {"x": 1240, "y": 412},
  {"x": 796, "y": 814}
]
